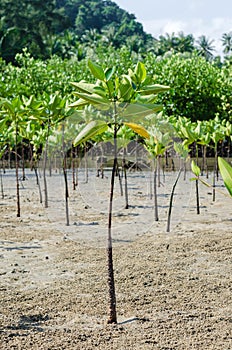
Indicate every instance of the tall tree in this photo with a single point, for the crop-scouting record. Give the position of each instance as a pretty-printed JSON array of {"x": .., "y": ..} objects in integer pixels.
[
  {"x": 205, "y": 47},
  {"x": 227, "y": 43}
]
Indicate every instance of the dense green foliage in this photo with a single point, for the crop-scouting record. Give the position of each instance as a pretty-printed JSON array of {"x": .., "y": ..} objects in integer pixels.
[
  {"x": 59, "y": 27},
  {"x": 199, "y": 90}
]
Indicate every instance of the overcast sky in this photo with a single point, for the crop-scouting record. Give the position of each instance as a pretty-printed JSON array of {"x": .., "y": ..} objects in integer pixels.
[{"x": 198, "y": 17}]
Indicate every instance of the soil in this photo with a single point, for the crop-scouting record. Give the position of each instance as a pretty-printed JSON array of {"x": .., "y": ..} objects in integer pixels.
[{"x": 174, "y": 290}]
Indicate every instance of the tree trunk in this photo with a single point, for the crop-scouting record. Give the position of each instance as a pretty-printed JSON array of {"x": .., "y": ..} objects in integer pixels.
[
  {"x": 73, "y": 162},
  {"x": 2, "y": 189},
  {"x": 171, "y": 200},
  {"x": 23, "y": 164},
  {"x": 197, "y": 197},
  {"x": 215, "y": 173},
  {"x": 155, "y": 193},
  {"x": 65, "y": 178},
  {"x": 125, "y": 179},
  {"x": 111, "y": 285},
  {"x": 86, "y": 166},
  {"x": 38, "y": 184},
  {"x": 44, "y": 176},
  {"x": 66, "y": 193},
  {"x": 17, "y": 172}
]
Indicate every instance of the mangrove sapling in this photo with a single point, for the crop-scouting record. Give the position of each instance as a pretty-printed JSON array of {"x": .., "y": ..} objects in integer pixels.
[
  {"x": 66, "y": 189},
  {"x": 156, "y": 144},
  {"x": 2, "y": 169},
  {"x": 45, "y": 158},
  {"x": 125, "y": 135},
  {"x": 155, "y": 191},
  {"x": 86, "y": 164},
  {"x": 119, "y": 175},
  {"x": 1, "y": 180},
  {"x": 125, "y": 179},
  {"x": 74, "y": 167},
  {"x": 64, "y": 154},
  {"x": 53, "y": 112},
  {"x": 218, "y": 134},
  {"x": 183, "y": 153},
  {"x": 38, "y": 183},
  {"x": 14, "y": 122},
  {"x": 126, "y": 98},
  {"x": 171, "y": 201},
  {"x": 196, "y": 171}
]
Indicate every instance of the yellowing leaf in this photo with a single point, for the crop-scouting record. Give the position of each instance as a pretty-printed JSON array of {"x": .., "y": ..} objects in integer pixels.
[{"x": 138, "y": 129}]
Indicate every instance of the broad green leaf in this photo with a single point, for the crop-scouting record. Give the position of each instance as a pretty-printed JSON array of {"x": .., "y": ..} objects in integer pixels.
[
  {"x": 187, "y": 134},
  {"x": 226, "y": 173},
  {"x": 99, "y": 90},
  {"x": 109, "y": 73},
  {"x": 84, "y": 87},
  {"x": 111, "y": 87},
  {"x": 146, "y": 98},
  {"x": 153, "y": 89},
  {"x": 138, "y": 129},
  {"x": 96, "y": 70},
  {"x": 195, "y": 169},
  {"x": 140, "y": 72},
  {"x": 137, "y": 111},
  {"x": 125, "y": 89},
  {"x": 79, "y": 103},
  {"x": 94, "y": 99},
  {"x": 92, "y": 129}
]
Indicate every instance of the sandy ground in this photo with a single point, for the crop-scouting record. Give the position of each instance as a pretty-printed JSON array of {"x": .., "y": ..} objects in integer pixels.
[{"x": 174, "y": 289}]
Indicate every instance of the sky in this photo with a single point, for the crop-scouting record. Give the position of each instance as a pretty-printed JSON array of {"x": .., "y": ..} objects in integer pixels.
[{"x": 198, "y": 17}]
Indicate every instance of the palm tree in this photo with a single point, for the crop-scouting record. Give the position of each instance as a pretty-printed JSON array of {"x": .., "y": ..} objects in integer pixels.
[
  {"x": 227, "y": 43},
  {"x": 205, "y": 47},
  {"x": 185, "y": 42},
  {"x": 168, "y": 42}
]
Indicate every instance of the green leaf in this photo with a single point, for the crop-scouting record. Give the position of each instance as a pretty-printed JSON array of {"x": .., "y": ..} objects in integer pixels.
[
  {"x": 99, "y": 90},
  {"x": 226, "y": 173},
  {"x": 138, "y": 129},
  {"x": 140, "y": 72},
  {"x": 79, "y": 103},
  {"x": 109, "y": 73},
  {"x": 195, "y": 169},
  {"x": 146, "y": 98},
  {"x": 92, "y": 129},
  {"x": 94, "y": 99},
  {"x": 153, "y": 89},
  {"x": 84, "y": 87},
  {"x": 137, "y": 111},
  {"x": 193, "y": 179},
  {"x": 125, "y": 89},
  {"x": 96, "y": 70}
]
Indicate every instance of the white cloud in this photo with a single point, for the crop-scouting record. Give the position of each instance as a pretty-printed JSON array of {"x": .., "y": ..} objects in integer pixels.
[{"x": 212, "y": 28}]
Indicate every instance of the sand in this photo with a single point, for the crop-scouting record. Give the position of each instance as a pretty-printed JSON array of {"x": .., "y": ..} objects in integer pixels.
[{"x": 174, "y": 290}]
